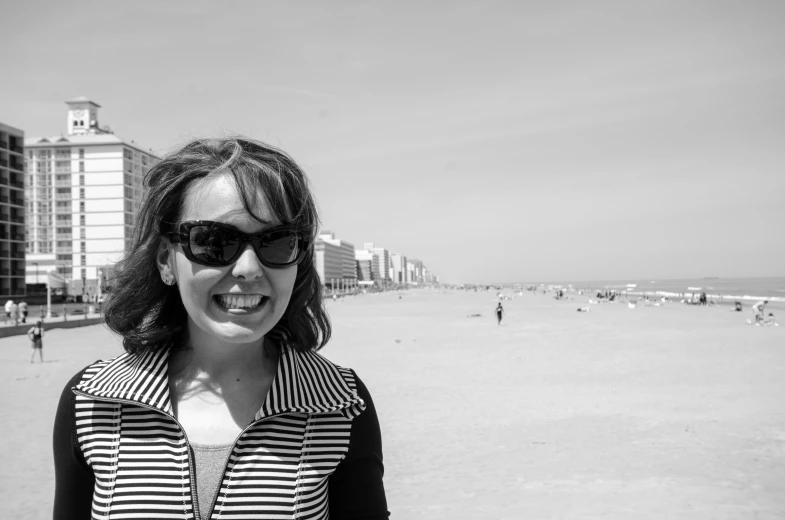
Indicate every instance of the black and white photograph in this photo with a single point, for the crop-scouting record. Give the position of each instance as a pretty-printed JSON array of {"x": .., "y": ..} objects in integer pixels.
[{"x": 362, "y": 260}]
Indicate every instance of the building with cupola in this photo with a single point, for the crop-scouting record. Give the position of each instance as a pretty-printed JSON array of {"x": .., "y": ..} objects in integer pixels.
[{"x": 83, "y": 192}]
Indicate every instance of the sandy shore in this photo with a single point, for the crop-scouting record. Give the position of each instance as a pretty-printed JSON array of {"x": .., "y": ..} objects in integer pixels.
[{"x": 658, "y": 412}]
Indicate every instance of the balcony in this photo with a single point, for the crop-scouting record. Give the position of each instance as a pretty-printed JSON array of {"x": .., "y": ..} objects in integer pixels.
[
  {"x": 17, "y": 254},
  {"x": 17, "y": 183},
  {"x": 63, "y": 196},
  {"x": 3, "y": 144},
  {"x": 18, "y": 236},
  {"x": 4, "y": 162},
  {"x": 63, "y": 237},
  {"x": 17, "y": 166},
  {"x": 3, "y": 198},
  {"x": 4, "y": 216}
]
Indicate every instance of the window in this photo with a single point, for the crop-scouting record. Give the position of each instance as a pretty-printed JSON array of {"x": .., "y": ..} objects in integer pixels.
[
  {"x": 84, "y": 272},
  {"x": 62, "y": 166},
  {"x": 81, "y": 220},
  {"x": 81, "y": 193},
  {"x": 63, "y": 230},
  {"x": 82, "y": 233},
  {"x": 127, "y": 153},
  {"x": 144, "y": 160},
  {"x": 64, "y": 258},
  {"x": 84, "y": 262},
  {"x": 63, "y": 218},
  {"x": 81, "y": 206},
  {"x": 83, "y": 248},
  {"x": 81, "y": 153},
  {"x": 63, "y": 153},
  {"x": 81, "y": 180}
]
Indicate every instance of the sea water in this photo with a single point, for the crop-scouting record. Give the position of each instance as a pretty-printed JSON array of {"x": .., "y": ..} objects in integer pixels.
[{"x": 763, "y": 288}]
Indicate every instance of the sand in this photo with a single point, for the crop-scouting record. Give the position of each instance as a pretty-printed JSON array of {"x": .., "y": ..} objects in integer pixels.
[{"x": 657, "y": 412}]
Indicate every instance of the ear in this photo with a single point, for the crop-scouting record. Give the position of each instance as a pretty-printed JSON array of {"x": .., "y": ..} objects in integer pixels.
[{"x": 164, "y": 258}]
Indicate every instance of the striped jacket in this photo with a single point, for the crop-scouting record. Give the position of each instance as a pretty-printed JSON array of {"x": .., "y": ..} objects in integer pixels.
[{"x": 279, "y": 466}]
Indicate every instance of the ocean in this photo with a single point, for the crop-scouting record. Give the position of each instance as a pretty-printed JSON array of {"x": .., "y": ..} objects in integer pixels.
[{"x": 770, "y": 288}]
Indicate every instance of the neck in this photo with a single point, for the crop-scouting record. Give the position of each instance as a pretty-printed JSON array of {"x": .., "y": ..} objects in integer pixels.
[{"x": 207, "y": 357}]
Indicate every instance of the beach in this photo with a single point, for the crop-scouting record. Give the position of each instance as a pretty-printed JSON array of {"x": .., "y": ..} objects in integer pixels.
[{"x": 668, "y": 411}]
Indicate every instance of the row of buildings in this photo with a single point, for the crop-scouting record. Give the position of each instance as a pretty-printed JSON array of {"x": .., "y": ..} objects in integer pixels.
[
  {"x": 342, "y": 267},
  {"x": 69, "y": 202}
]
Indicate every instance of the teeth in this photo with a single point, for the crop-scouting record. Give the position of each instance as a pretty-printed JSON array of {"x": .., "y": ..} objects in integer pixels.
[{"x": 243, "y": 301}]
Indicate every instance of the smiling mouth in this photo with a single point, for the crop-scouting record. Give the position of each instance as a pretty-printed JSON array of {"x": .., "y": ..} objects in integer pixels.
[{"x": 240, "y": 301}]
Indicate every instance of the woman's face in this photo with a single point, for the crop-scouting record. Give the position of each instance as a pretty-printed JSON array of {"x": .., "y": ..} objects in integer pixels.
[{"x": 239, "y": 303}]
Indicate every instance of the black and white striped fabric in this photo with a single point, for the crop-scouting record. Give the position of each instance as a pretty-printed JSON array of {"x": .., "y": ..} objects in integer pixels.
[{"x": 278, "y": 468}]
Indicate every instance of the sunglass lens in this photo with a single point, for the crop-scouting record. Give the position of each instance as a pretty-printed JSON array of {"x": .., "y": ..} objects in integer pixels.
[
  {"x": 212, "y": 245},
  {"x": 280, "y": 247}
]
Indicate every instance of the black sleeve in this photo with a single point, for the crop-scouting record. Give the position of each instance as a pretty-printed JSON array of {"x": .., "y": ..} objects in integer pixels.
[
  {"x": 356, "y": 487},
  {"x": 74, "y": 479}
]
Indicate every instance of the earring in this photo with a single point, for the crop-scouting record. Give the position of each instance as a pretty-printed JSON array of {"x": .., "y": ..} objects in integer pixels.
[{"x": 168, "y": 280}]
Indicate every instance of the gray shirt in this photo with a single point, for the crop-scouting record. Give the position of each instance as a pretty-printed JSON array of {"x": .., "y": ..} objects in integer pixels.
[{"x": 210, "y": 461}]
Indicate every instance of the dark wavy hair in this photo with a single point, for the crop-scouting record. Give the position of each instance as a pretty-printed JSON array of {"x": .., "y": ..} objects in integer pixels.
[{"x": 150, "y": 315}]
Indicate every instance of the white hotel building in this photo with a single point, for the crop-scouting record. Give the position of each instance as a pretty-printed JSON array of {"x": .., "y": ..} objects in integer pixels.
[{"x": 83, "y": 193}]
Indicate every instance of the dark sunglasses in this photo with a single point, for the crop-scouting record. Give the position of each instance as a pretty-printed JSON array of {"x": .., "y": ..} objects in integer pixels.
[{"x": 216, "y": 244}]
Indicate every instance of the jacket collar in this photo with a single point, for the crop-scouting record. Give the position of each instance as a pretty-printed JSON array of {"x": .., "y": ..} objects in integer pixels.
[{"x": 304, "y": 383}]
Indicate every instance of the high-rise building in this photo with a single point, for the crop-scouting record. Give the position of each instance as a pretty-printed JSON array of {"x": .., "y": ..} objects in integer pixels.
[
  {"x": 399, "y": 262},
  {"x": 334, "y": 260},
  {"x": 364, "y": 261},
  {"x": 416, "y": 271},
  {"x": 381, "y": 265},
  {"x": 84, "y": 191},
  {"x": 12, "y": 213}
]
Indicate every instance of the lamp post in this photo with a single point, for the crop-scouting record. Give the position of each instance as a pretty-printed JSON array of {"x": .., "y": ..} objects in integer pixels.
[{"x": 36, "y": 272}]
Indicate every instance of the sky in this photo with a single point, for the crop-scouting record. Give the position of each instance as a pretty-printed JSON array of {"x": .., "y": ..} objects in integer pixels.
[{"x": 494, "y": 141}]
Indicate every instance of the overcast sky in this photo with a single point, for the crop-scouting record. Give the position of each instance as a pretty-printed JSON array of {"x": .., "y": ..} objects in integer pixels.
[{"x": 495, "y": 141}]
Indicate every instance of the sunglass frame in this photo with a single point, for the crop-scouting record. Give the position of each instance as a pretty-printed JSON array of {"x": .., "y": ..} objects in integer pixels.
[{"x": 182, "y": 236}]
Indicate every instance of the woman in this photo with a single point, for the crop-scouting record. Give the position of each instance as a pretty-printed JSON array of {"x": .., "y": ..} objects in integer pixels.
[
  {"x": 220, "y": 406},
  {"x": 36, "y": 335}
]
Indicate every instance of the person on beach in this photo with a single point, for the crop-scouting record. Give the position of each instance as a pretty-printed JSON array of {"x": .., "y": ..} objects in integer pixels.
[
  {"x": 23, "y": 312},
  {"x": 36, "y": 335},
  {"x": 222, "y": 404},
  {"x": 8, "y": 304},
  {"x": 758, "y": 310},
  {"x": 499, "y": 313},
  {"x": 14, "y": 313}
]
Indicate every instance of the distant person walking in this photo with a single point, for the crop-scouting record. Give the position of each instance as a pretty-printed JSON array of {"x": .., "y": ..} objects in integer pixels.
[
  {"x": 23, "y": 312},
  {"x": 36, "y": 335},
  {"x": 8, "y": 310},
  {"x": 499, "y": 313}
]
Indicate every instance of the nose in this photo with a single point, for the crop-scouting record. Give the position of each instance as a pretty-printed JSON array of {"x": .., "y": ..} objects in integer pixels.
[{"x": 247, "y": 266}]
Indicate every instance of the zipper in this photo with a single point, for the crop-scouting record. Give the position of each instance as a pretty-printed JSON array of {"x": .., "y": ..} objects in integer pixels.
[
  {"x": 192, "y": 473},
  {"x": 231, "y": 452}
]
